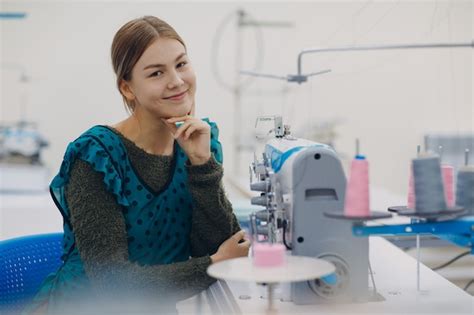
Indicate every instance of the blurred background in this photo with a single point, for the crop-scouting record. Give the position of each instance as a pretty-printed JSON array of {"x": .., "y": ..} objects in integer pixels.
[{"x": 57, "y": 81}]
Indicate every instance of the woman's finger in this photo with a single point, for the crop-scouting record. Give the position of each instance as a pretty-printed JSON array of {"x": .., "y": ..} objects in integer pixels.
[
  {"x": 198, "y": 126},
  {"x": 182, "y": 128},
  {"x": 190, "y": 131},
  {"x": 244, "y": 244},
  {"x": 171, "y": 126},
  {"x": 178, "y": 119},
  {"x": 239, "y": 235}
]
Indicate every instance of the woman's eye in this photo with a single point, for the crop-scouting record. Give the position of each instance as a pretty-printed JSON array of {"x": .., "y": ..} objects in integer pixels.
[
  {"x": 181, "y": 64},
  {"x": 156, "y": 74}
]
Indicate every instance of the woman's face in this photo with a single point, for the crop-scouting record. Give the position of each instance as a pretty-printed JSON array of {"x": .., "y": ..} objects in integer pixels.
[{"x": 163, "y": 81}]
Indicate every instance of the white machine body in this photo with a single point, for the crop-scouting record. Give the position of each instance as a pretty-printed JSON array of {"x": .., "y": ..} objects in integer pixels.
[{"x": 299, "y": 180}]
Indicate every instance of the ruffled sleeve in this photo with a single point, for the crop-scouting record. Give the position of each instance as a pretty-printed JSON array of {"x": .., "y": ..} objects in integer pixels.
[
  {"x": 101, "y": 158},
  {"x": 216, "y": 146}
]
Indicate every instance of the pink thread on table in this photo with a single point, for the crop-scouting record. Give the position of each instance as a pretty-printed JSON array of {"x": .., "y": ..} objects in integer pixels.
[{"x": 356, "y": 203}]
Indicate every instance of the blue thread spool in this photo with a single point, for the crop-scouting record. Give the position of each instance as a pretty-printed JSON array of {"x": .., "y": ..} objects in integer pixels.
[{"x": 429, "y": 191}]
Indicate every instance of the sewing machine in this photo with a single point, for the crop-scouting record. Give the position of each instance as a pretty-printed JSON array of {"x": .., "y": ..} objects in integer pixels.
[{"x": 299, "y": 180}]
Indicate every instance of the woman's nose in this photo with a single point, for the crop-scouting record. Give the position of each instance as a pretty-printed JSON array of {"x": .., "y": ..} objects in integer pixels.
[{"x": 175, "y": 80}]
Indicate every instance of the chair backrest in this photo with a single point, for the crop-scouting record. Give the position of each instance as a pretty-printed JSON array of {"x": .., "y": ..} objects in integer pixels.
[{"x": 24, "y": 263}]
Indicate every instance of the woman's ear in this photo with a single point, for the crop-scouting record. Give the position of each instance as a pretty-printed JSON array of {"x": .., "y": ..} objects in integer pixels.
[{"x": 126, "y": 90}]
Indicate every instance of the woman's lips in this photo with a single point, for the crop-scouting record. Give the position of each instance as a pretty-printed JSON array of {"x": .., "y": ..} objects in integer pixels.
[{"x": 177, "y": 97}]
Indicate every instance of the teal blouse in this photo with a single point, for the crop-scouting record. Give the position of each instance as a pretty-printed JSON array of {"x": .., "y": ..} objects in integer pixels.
[{"x": 158, "y": 223}]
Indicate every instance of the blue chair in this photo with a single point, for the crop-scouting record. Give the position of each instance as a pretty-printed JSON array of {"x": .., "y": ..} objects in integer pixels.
[{"x": 24, "y": 263}]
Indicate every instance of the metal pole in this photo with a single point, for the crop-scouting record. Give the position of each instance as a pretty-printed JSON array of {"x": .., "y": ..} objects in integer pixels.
[
  {"x": 381, "y": 47},
  {"x": 237, "y": 92}
]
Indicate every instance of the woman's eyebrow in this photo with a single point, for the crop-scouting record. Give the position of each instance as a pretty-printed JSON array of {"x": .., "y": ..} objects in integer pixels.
[{"x": 160, "y": 65}]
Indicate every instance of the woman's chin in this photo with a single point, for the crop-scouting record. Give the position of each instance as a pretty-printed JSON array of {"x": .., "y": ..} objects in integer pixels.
[
  {"x": 183, "y": 111},
  {"x": 176, "y": 110},
  {"x": 176, "y": 114}
]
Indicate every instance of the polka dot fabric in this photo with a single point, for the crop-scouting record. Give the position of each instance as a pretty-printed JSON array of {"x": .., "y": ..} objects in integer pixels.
[{"x": 158, "y": 223}]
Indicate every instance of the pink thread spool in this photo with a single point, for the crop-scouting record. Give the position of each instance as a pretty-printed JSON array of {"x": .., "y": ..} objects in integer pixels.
[
  {"x": 356, "y": 203},
  {"x": 448, "y": 182},
  {"x": 411, "y": 191},
  {"x": 268, "y": 255}
]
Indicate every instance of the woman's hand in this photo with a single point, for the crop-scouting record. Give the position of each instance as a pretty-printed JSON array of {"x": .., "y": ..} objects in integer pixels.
[
  {"x": 193, "y": 136},
  {"x": 231, "y": 248}
]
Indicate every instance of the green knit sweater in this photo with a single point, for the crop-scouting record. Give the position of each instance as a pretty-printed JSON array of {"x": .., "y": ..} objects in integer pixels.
[{"x": 100, "y": 230}]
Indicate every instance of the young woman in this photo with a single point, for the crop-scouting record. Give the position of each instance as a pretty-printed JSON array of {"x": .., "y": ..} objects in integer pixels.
[{"x": 144, "y": 209}]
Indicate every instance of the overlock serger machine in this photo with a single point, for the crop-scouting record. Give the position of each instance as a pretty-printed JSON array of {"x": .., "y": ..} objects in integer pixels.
[{"x": 299, "y": 180}]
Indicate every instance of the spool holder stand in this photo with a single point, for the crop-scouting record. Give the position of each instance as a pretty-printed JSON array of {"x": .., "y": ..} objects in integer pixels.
[
  {"x": 442, "y": 215},
  {"x": 459, "y": 231}
]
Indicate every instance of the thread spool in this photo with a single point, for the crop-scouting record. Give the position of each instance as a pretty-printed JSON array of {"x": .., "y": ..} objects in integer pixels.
[
  {"x": 465, "y": 187},
  {"x": 429, "y": 190},
  {"x": 411, "y": 199},
  {"x": 356, "y": 203},
  {"x": 447, "y": 172}
]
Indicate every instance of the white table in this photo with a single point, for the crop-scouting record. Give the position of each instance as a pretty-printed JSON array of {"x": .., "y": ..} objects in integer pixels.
[
  {"x": 395, "y": 278},
  {"x": 295, "y": 268}
]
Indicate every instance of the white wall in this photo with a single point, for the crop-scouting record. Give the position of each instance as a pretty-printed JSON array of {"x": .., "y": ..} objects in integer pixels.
[{"x": 387, "y": 99}]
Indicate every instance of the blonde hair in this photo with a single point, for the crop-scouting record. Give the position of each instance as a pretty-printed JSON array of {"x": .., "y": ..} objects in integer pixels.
[{"x": 129, "y": 43}]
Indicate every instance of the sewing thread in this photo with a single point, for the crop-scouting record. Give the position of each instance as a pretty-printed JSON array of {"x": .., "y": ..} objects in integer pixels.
[
  {"x": 465, "y": 189},
  {"x": 356, "y": 203},
  {"x": 447, "y": 172},
  {"x": 429, "y": 190}
]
